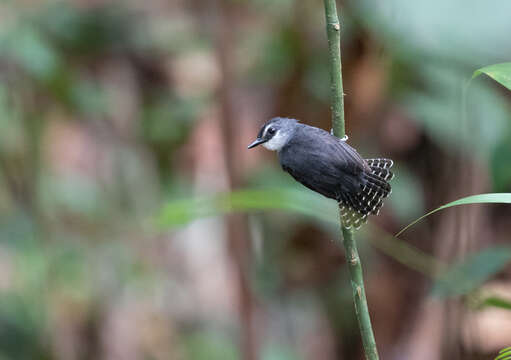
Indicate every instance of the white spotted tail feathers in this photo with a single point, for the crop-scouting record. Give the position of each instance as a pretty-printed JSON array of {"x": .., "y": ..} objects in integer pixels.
[{"x": 355, "y": 208}]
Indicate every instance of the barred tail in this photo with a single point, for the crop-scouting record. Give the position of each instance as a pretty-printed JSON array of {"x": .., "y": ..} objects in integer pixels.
[{"x": 355, "y": 208}]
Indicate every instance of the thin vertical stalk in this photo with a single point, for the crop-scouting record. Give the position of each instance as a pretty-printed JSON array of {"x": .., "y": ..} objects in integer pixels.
[
  {"x": 333, "y": 30},
  {"x": 348, "y": 240}
]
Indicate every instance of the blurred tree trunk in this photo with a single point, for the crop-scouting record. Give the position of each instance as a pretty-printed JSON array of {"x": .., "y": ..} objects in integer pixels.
[
  {"x": 437, "y": 333},
  {"x": 237, "y": 230}
]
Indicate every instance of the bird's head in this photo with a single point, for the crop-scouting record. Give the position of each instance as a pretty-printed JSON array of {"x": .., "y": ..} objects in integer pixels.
[{"x": 275, "y": 133}]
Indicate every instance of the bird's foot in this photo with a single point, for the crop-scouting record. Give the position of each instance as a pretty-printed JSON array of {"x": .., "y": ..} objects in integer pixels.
[{"x": 344, "y": 138}]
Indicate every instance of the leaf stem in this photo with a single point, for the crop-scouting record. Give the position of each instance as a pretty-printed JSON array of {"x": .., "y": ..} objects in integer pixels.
[{"x": 333, "y": 29}]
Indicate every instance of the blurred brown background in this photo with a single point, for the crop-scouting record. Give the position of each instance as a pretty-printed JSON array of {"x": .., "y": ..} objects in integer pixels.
[{"x": 121, "y": 120}]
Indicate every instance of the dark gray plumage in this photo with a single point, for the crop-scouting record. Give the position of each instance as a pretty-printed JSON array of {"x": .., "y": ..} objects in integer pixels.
[{"x": 329, "y": 166}]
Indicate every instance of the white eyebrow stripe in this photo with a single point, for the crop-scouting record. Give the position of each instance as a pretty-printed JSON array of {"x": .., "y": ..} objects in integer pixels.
[{"x": 265, "y": 130}]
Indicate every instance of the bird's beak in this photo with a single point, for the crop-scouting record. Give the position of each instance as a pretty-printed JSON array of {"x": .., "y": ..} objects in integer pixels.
[{"x": 257, "y": 141}]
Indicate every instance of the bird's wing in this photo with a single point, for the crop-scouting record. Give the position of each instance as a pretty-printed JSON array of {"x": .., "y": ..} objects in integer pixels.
[
  {"x": 322, "y": 162},
  {"x": 343, "y": 154}
]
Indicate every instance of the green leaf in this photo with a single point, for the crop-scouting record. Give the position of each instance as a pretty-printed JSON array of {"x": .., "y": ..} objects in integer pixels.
[
  {"x": 494, "y": 301},
  {"x": 469, "y": 274},
  {"x": 492, "y": 198},
  {"x": 504, "y": 354},
  {"x": 501, "y": 73},
  {"x": 180, "y": 212}
]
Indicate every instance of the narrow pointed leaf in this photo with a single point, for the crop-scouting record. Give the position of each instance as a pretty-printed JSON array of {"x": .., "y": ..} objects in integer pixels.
[
  {"x": 492, "y": 198},
  {"x": 501, "y": 73},
  {"x": 498, "y": 302},
  {"x": 504, "y": 354}
]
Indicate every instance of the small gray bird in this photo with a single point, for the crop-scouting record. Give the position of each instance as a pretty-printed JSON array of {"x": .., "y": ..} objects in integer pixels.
[{"x": 329, "y": 166}]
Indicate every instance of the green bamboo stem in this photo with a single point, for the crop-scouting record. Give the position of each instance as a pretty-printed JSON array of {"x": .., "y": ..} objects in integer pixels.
[
  {"x": 348, "y": 241},
  {"x": 333, "y": 30}
]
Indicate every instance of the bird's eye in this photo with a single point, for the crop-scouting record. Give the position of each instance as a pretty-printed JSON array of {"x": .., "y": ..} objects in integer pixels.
[{"x": 271, "y": 131}]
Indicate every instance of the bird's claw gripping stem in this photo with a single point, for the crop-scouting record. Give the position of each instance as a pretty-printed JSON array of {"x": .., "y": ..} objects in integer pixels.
[{"x": 344, "y": 138}]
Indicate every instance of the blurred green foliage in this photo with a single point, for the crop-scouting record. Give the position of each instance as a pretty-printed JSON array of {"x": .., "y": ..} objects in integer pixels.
[
  {"x": 495, "y": 301},
  {"x": 211, "y": 345},
  {"x": 96, "y": 126},
  {"x": 471, "y": 273}
]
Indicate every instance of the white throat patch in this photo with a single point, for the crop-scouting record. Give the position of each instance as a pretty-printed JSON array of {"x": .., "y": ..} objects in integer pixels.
[{"x": 276, "y": 142}]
